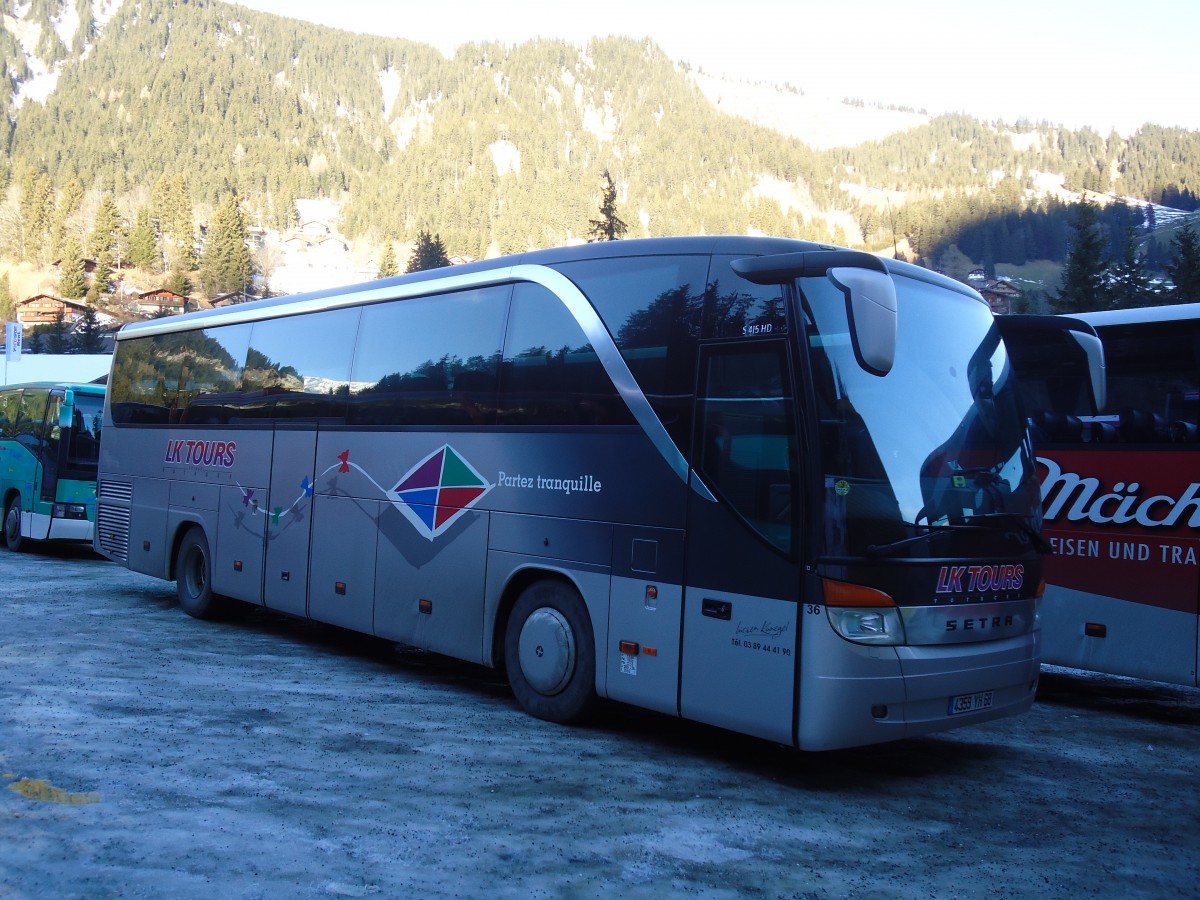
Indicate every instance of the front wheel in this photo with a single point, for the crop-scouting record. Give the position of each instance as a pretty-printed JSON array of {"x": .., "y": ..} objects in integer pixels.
[
  {"x": 13, "y": 539},
  {"x": 550, "y": 654},
  {"x": 193, "y": 574}
]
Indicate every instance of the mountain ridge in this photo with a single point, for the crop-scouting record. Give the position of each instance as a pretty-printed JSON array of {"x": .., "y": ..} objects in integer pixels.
[{"x": 501, "y": 148}]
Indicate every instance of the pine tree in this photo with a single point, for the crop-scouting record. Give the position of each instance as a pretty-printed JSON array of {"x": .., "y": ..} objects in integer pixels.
[
  {"x": 1184, "y": 268},
  {"x": 226, "y": 265},
  {"x": 143, "y": 244},
  {"x": 106, "y": 229},
  {"x": 87, "y": 338},
  {"x": 178, "y": 282},
  {"x": 73, "y": 282},
  {"x": 6, "y": 299},
  {"x": 172, "y": 205},
  {"x": 1130, "y": 285},
  {"x": 36, "y": 206},
  {"x": 610, "y": 226},
  {"x": 387, "y": 265},
  {"x": 102, "y": 276},
  {"x": 56, "y": 336},
  {"x": 68, "y": 205},
  {"x": 430, "y": 253},
  {"x": 1082, "y": 288}
]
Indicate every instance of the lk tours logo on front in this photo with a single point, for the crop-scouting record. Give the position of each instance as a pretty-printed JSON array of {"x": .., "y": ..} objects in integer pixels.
[{"x": 438, "y": 491}]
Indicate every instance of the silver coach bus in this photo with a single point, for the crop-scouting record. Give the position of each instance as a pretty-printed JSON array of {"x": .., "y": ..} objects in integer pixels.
[{"x": 761, "y": 483}]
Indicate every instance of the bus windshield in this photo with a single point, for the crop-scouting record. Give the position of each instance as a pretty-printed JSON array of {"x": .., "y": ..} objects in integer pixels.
[{"x": 939, "y": 444}]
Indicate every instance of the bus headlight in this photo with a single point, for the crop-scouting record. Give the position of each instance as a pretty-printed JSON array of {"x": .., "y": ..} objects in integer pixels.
[
  {"x": 867, "y": 626},
  {"x": 862, "y": 614},
  {"x": 69, "y": 511}
]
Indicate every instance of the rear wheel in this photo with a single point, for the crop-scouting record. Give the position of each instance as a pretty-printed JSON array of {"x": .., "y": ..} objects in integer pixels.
[
  {"x": 12, "y": 524},
  {"x": 193, "y": 574},
  {"x": 549, "y": 653}
]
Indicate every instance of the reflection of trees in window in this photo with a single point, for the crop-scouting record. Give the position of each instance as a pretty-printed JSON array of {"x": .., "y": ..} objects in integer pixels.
[
  {"x": 744, "y": 310},
  {"x": 263, "y": 374},
  {"x": 551, "y": 375},
  {"x": 430, "y": 360},
  {"x": 445, "y": 391},
  {"x": 135, "y": 383},
  {"x": 658, "y": 343},
  {"x": 156, "y": 378}
]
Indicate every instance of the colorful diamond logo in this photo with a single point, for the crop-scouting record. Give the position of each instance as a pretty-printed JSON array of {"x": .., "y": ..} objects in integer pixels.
[{"x": 438, "y": 490}]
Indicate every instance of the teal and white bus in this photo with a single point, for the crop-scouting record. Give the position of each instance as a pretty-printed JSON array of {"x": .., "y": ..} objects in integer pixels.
[
  {"x": 49, "y": 449},
  {"x": 781, "y": 488}
]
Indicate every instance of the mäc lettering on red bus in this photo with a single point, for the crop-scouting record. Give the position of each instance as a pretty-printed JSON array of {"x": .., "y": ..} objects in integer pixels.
[{"x": 1088, "y": 501}]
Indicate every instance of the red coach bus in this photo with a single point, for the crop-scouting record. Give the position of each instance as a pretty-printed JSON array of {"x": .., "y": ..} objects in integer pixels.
[{"x": 1121, "y": 496}]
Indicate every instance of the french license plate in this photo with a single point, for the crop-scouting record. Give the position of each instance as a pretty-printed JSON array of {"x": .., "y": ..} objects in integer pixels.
[{"x": 965, "y": 703}]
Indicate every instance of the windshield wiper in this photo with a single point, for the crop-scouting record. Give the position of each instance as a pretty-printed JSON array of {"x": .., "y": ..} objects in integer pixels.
[
  {"x": 1025, "y": 533},
  {"x": 887, "y": 549},
  {"x": 1024, "y": 529}
]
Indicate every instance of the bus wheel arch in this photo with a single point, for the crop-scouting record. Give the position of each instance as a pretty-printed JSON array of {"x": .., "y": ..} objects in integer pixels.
[
  {"x": 549, "y": 649},
  {"x": 11, "y": 524}
]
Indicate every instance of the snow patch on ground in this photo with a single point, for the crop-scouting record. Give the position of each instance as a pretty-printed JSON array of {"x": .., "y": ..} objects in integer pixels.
[
  {"x": 820, "y": 122},
  {"x": 389, "y": 83},
  {"x": 600, "y": 121},
  {"x": 506, "y": 157},
  {"x": 787, "y": 194}
]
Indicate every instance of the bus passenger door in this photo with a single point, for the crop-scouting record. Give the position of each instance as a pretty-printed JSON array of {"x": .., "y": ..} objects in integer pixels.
[
  {"x": 52, "y": 444},
  {"x": 289, "y": 518},
  {"x": 742, "y": 575}
]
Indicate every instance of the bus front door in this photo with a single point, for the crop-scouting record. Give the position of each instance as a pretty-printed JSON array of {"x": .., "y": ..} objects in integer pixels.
[
  {"x": 289, "y": 519},
  {"x": 740, "y": 613},
  {"x": 52, "y": 446}
]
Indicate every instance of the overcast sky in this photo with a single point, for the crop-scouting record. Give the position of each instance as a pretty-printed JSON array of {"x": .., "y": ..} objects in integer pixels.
[{"x": 1103, "y": 63}]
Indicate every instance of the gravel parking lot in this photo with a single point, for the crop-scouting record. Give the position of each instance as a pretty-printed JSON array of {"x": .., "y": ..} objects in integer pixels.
[{"x": 147, "y": 754}]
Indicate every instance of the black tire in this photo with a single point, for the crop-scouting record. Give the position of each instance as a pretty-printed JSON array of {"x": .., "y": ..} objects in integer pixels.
[
  {"x": 550, "y": 653},
  {"x": 12, "y": 524},
  {"x": 193, "y": 578}
]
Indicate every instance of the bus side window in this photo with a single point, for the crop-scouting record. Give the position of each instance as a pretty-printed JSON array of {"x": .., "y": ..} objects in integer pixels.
[
  {"x": 551, "y": 375},
  {"x": 447, "y": 376},
  {"x": 299, "y": 367},
  {"x": 30, "y": 419},
  {"x": 10, "y": 402}
]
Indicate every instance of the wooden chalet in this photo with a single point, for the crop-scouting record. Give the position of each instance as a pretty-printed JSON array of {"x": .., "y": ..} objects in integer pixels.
[
  {"x": 44, "y": 309},
  {"x": 161, "y": 301},
  {"x": 1000, "y": 295}
]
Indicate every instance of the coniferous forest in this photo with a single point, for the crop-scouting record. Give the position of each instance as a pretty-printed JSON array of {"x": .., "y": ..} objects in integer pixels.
[{"x": 169, "y": 108}]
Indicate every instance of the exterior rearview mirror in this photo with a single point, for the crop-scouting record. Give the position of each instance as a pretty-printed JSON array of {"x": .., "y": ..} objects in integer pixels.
[
  {"x": 66, "y": 413},
  {"x": 871, "y": 308}
]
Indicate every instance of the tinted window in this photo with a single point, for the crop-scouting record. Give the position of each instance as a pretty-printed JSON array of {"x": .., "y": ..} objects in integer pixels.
[
  {"x": 299, "y": 366},
  {"x": 30, "y": 417},
  {"x": 653, "y": 307},
  {"x": 145, "y": 380},
  {"x": 735, "y": 307},
  {"x": 84, "y": 450},
  {"x": 10, "y": 405},
  {"x": 747, "y": 446},
  {"x": 1153, "y": 373},
  {"x": 210, "y": 380},
  {"x": 155, "y": 379},
  {"x": 551, "y": 374},
  {"x": 430, "y": 360}
]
